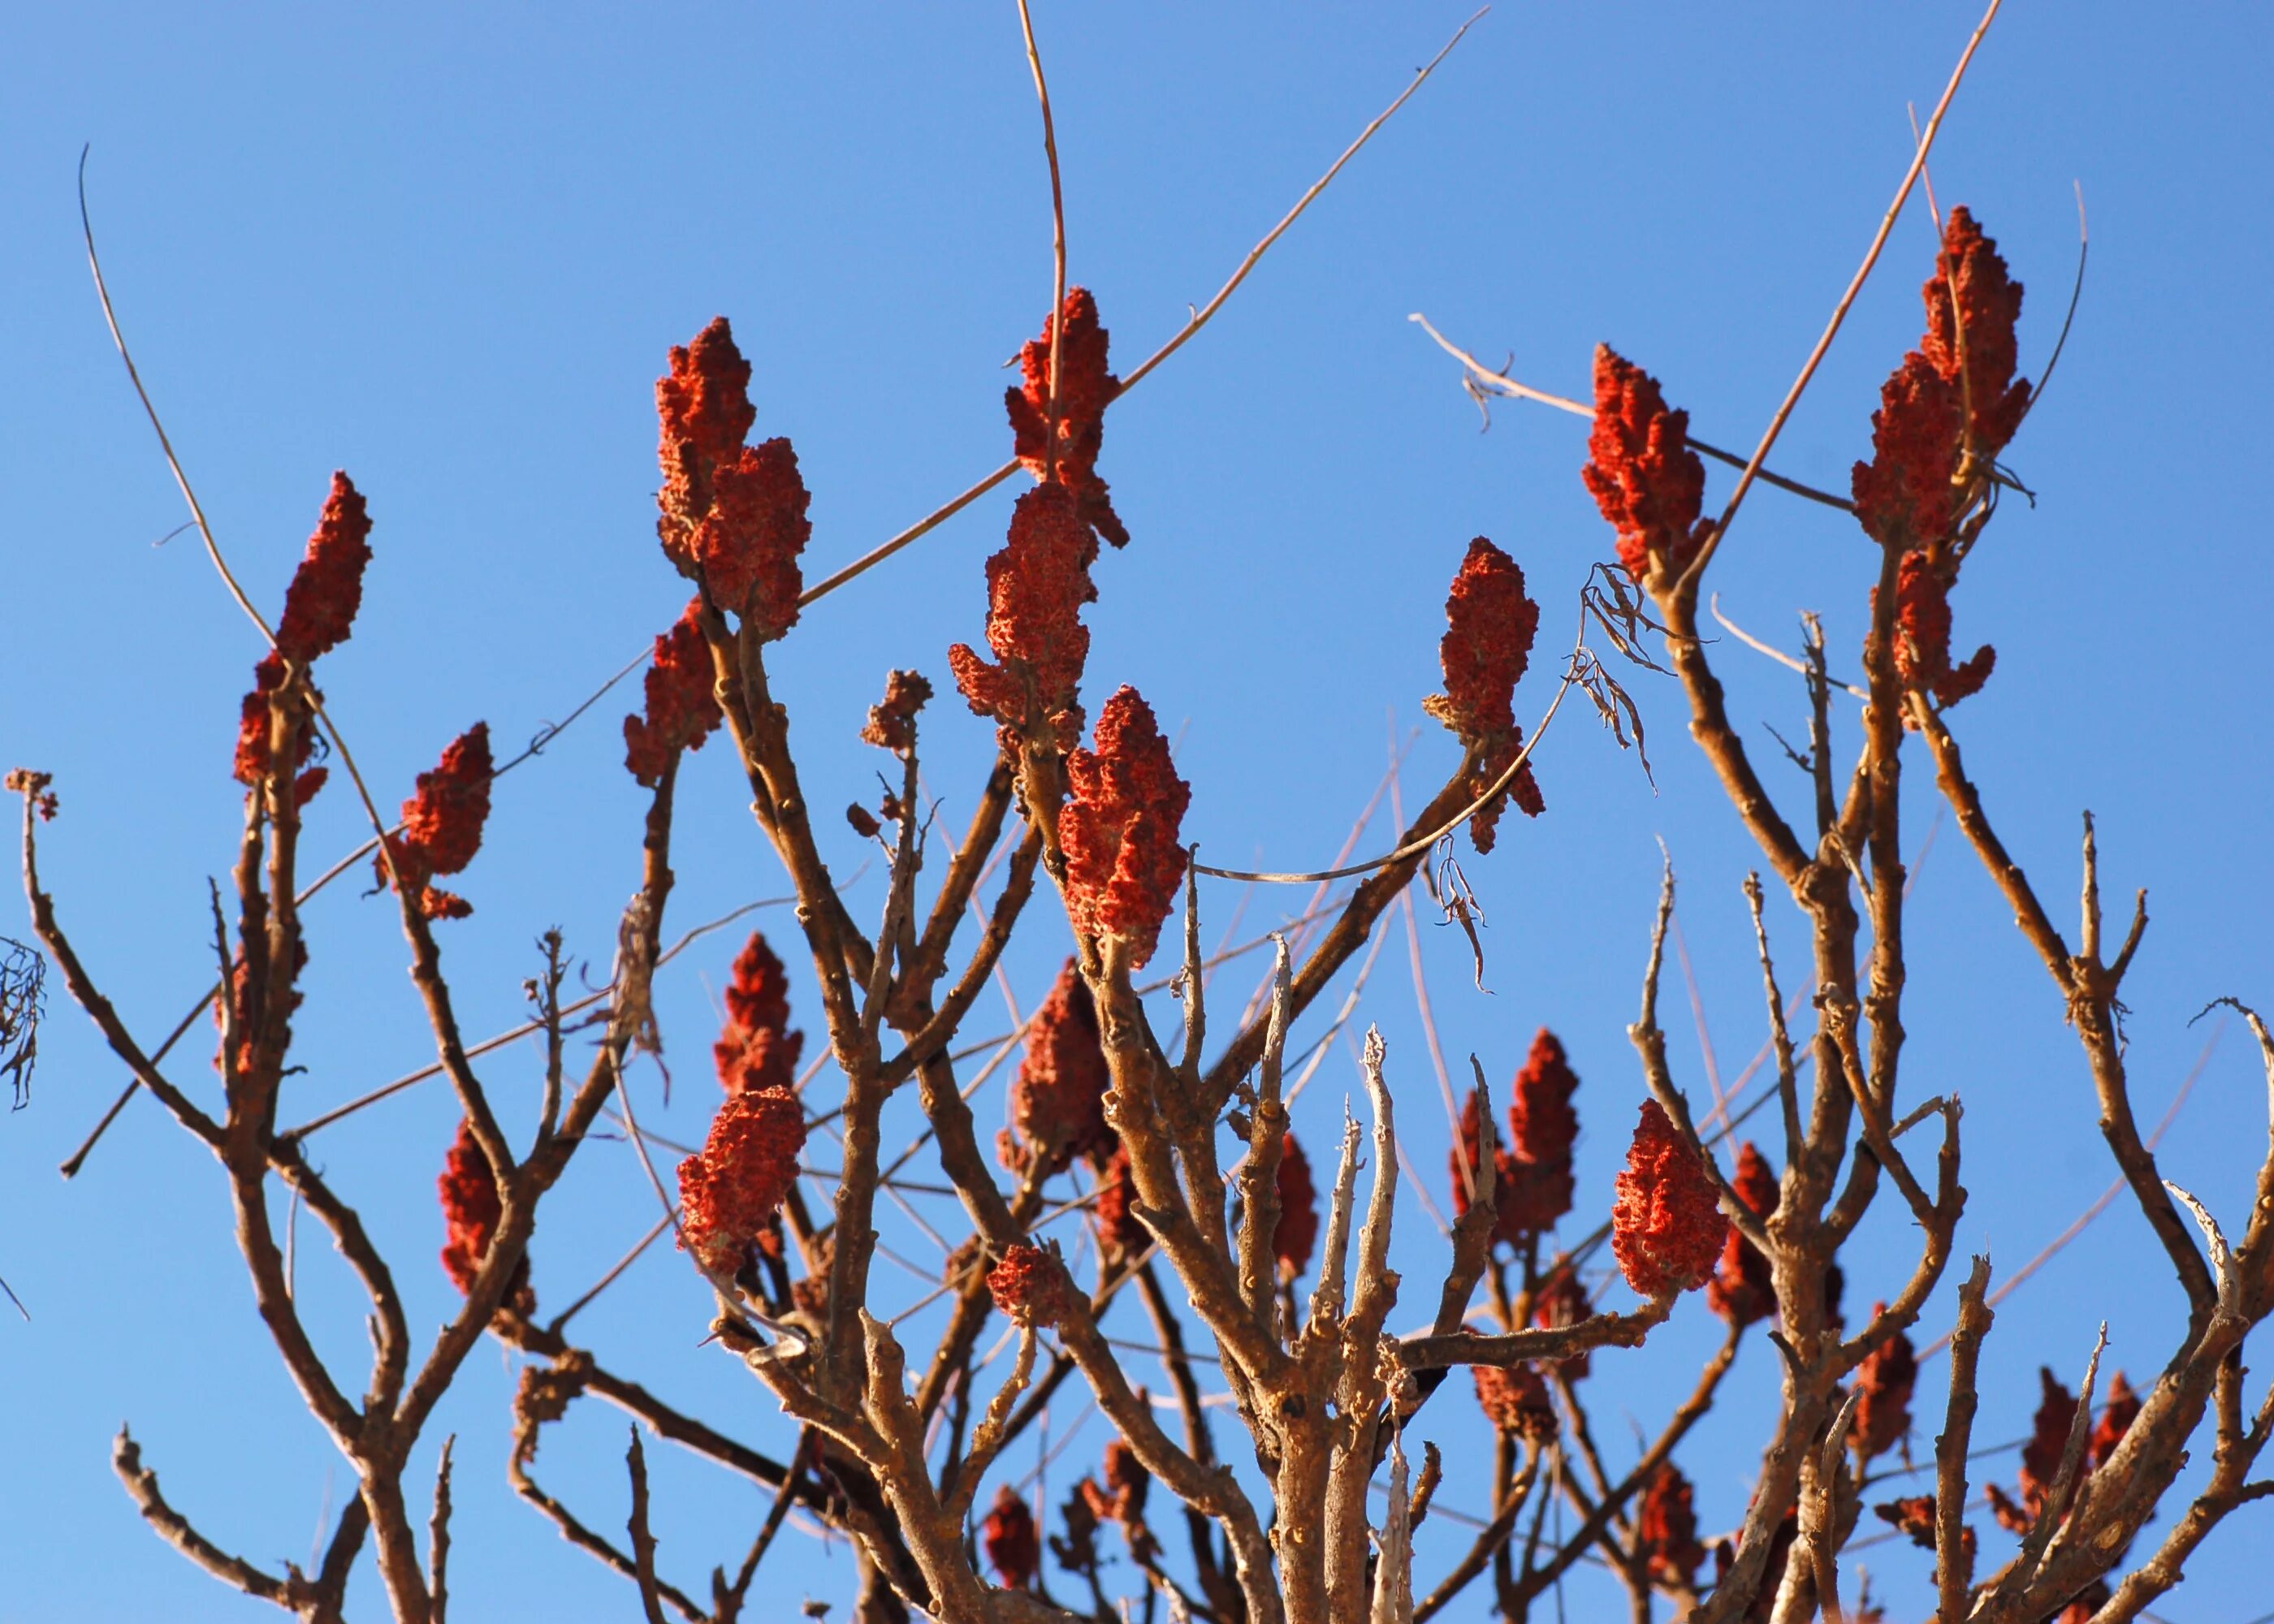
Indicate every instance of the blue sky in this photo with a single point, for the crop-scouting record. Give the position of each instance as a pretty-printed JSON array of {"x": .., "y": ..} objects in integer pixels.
[{"x": 445, "y": 247}]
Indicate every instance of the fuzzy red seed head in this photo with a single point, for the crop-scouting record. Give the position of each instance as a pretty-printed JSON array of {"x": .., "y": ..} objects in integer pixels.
[
  {"x": 1744, "y": 1288},
  {"x": 2041, "y": 1456},
  {"x": 1298, "y": 1229},
  {"x": 1057, "y": 1101},
  {"x": 319, "y": 607},
  {"x": 1666, "y": 1227},
  {"x": 1641, "y": 471},
  {"x": 444, "y": 820},
  {"x": 1954, "y": 403},
  {"x": 1923, "y": 629},
  {"x": 1126, "y": 1476},
  {"x": 755, "y": 1049},
  {"x": 1562, "y": 1303},
  {"x": 254, "y": 745},
  {"x": 1490, "y": 625},
  {"x": 734, "y": 517},
  {"x": 1886, "y": 1379},
  {"x": 1028, "y": 1285},
  {"x": 1665, "y": 1526},
  {"x": 2120, "y": 1411},
  {"x": 1119, "y": 830},
  {"x": 1037, "y": 587},
  {"x": 1465, "y": 1163},
  {"x": 442, "y": 825},
  {"x": 1120, "y": 1232},
  {"x": 471, "y": 1208},
  {"x": 892, "y": 724},
  {"x": 1981, "y": 345},
  {"x": 682, "y": 702},
  {"x": 1085, "y": 387},
  {"x": 1007, "y": 1535},
  {"x": 704, "y": 405},
  {"x": 730, "y": 1194},
  {"x": 1542, "y": 1126},
  {"x": 1514, "y": 1401}
]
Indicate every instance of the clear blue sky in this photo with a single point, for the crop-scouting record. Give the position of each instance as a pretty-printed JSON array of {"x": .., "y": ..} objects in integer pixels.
[{"x": 445, "y": 247}]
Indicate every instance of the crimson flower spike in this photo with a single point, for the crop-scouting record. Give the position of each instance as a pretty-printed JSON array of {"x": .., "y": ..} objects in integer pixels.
[
  {"x": 1085, "y": 387},
  {"x": 1119, "y": 831},
  {"x": 682, "y": 702},
  {"x": 442, "y": 825},
  {"x": 733, "y": 516},
  {"x": 730, "y": 1194},
  {"x": 755, "y": 1049},
  {"x": 1490, "y": 625}
]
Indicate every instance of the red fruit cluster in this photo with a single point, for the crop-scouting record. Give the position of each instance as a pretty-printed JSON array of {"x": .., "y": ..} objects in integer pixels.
[
  {"x": 1298, "y": 1229},
  {"x": 730, "y": 1194},
  {"x": 1120, "y": 1232},
  {"x": 1028, "y": 1285},
  {"x": 471, "y": 1208},
  {"x": 1744, "y": 1287},
  {"x": 1516, "y": 1401},
  {"x": 1036, "y": 586},
  {"x": 892, "y": 724},
  {"x": 442, "y": 824},
  {"x": 1562, "y": 1303},
  {"x": 1121, "y": 1498},
  {"x": 319, "y": 611},
  {"x": 1944, "y": 417},
  {"x": 1084, "y": 388},
  {"x": 1007, "y": 1535},
  {"x": 1665, "y": 1526},
  {"x": 682, "y": 701},
  {"x": 734, "y": 517},
  {"x": 1532, "y": 1173},
  {"x": 2048, "y": 1437},
  {"x": 1922, "y": 634},
  {"x": 1490, "y": 624},
  {"x": 1642, "y": 472},
  {"x": 1954, "y": 403},
  {"x": 1666, "y": 1227},
  {"x": 755, "y": 1049},
  {"x": 1119, "y": 830},
  {"x": 1885, "y": 1379},
  {"x": 320, "y": 604},
  {"x": 1057, "y": 1101},
  {"x": 2119, "y": 1411}
]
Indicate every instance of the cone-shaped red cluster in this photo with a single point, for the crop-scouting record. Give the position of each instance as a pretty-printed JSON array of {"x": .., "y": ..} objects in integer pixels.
[
  {"x": 1884, "y": 1380},
  {"x": 1057, "y": 1101},
  {"x": 1120, "y": 1232},
  {"x": 1490, "y": 624},
  {"x": 1119, "y": 830},
  {"x": 682, "y": 701},
  {"x": 1562, "y": 1303},
  {"x": 732, "y": 516},
  {"x": 755, "y": 1049},
  {"x": 442, "y": 825},
  {"x": 1944, "y": 417},
  {"x": 471, "y": 1208},
  {"x": 1641, "y": 471},
  {"x": 1514, "y": 1401},
  {"x": 1666, "y": 1227},
  {"x": 1298, "y": 1229},
  {"x": 730, "y": 1194},
  {"x": 1532, "y": 1181},
  {"x": 1029, "y": 1285},
  {"x": 319, "y": 611},
  {"x": 1007, "y": 1535},
  {"x": 1037, "y": 587},
  {"x": 1085, "y": 386},
  {"x": 891, "y": 725},
  {"x": 1665, "y": 1526},
  {"x": 1744, "y": 1287}
]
